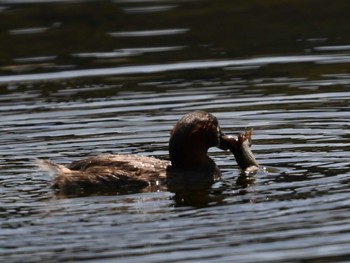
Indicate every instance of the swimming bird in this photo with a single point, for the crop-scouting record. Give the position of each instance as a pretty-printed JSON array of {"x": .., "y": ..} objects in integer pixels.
[{"x": 189, "y": 165}]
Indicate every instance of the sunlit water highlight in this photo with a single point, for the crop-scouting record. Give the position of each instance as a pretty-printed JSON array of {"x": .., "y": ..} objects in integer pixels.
[{"x": 256, "y": 62}]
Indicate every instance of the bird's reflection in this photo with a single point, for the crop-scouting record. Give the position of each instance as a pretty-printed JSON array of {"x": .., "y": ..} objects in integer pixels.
[{"x": 209, "y": 195}]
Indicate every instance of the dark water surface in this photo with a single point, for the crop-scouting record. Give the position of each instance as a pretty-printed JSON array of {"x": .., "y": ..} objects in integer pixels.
[{"x": 79, "y": 78}]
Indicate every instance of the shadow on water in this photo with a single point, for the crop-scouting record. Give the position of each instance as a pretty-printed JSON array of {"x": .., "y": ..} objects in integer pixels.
[
  {"x": 185, "y": 197},
  {"x": 211, "y": 197}
]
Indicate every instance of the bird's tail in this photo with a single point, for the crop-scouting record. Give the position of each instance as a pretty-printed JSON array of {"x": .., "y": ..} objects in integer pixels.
[{"x": 52, "y": 168}]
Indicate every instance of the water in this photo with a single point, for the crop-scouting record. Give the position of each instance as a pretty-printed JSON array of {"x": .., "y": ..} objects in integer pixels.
[{"x": 79, "y": 78}]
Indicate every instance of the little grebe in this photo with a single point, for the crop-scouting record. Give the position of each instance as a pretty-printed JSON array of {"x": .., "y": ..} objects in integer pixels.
[{"x": 189, "y": 164}]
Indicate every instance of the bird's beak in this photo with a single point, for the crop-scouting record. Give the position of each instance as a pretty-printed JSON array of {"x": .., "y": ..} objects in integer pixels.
[{"x": 227, "y": 142}]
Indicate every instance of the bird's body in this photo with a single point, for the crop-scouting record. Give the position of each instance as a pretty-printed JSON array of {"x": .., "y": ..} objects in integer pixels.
[{"x": 189, "y": 164}]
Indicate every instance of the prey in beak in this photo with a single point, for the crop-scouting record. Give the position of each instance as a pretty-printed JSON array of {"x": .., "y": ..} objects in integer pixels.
[{"x": 240, "y": 148}]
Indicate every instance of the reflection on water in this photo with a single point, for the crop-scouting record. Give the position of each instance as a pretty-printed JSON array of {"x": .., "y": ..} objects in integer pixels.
[
  {"x": 149, "y": 33},
  {"x": 226, "y": 64},
  {"x": 90, "y": 77},
  {"x": 149, "y": 9}
]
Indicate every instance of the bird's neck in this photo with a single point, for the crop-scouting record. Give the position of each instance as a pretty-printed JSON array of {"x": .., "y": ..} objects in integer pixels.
[{"x": 191, "y": 156}]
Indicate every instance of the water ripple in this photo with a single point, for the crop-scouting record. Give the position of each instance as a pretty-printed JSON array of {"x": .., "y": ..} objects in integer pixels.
[
  {"x": 296, "y": 209},
  {"x": 170, "y": 67},
  {"x": 149, "y": 9},
  {"x": 149, "y": 33},
  {"x": 127, "y": 52}
]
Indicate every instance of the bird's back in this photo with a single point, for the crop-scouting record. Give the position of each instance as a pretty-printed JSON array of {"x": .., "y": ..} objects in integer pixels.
[{"x": 114, "y": 173}]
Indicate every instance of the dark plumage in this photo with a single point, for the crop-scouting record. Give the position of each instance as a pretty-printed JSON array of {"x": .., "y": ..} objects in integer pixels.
[{"x": 189, "y": 165}]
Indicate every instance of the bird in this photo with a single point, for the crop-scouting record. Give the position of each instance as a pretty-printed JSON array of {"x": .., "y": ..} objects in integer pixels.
[{"x": 189, "y": 165}]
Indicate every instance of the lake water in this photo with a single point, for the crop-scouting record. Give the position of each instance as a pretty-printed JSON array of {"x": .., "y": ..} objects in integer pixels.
[{"x": 80, "y": 78}]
